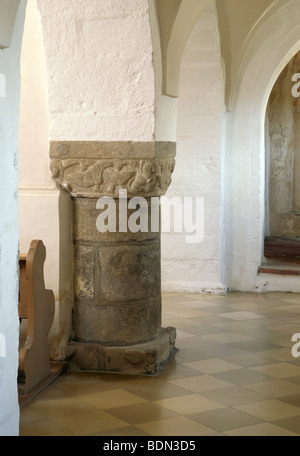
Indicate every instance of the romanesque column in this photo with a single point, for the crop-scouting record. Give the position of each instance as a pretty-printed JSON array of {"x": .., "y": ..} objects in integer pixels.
[{"x": 117, "y": 278}]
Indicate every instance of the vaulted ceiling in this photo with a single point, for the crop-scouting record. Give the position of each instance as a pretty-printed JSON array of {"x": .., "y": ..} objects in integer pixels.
[{"x": 236, "y": 20}]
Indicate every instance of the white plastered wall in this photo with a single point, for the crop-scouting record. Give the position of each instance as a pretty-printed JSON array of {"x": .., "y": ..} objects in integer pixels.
[
  {"x": 9, "y": 120},
  {"x": 276, "y": 36},
  {"x": 44, "y": 210},
  {"x": 100, "y": 70},
  {"x": 197, "y": 267}
]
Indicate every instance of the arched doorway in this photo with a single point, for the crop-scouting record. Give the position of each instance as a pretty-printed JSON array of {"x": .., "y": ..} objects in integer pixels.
[
  {"x": 244, "y": 210},
  {"x": 282, "y": 246}
]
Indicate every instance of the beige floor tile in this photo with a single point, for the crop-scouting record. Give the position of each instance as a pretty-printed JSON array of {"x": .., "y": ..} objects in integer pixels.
[
  {"x": 262, "y": 332},
  {"x": 270, "y": 410},
  {"x": 141, "y": 413},
  {"x": 51, "y": 393},
  {"x": 249, "y": 307},
  {"x": 232, "y": 371},
  {"x": 274, "y": 388},
  {"x": 242, "y": 376},
  {"x": 110, "y": 399},
  {"x": 28, "y": 415},
  {"x": 290, "y": 308},
  {"x": 229, "y": 337},
  {"x": 295, "y": 298},
  {"x": 175, "y": 371},
  {"x": 157, "y": 391},
  {"x": 224, "y": 419},
  {"x": 79, "y": 388},
  {"x": 189, "y": 355},
  {"x": 76, "y": 376},
  {"x": 283, "y": 340},
  {"x": 118, "y": 381},
  {"x": 189, "y": 313},
  {"x": 193, "y": 403},
  {"x": 210, "y": 319},
  {"x": 201, "y": 383},
  {"x": 196, "y": 304},
  {"x": 295, "y": 380},
  {"x": 280, "y": 354},
  {"x": 130, "y": 431},
  {"x": 287, "y": 317},
  {"x": 235, "y": 325},
  {"x": 236, "y": 395},
  {"x": 279, "y": 370},
  {"x": 293, "y": 399},
  {"x": 202, "y": 330},
  {"x": 291, "y": 424},
  {"x": 90, "y": 423},
  {"x": 285, "y": 328},
  {"x": 241, "y": 315},
  {"x": 260, "y": 430},
  {"x": 250, "y": 359},
  {"x": 180, "y": 426},
  {"x": 265, "y": 322},
  {"x": 183, "y": 335},
  {"x": 212, "y": 366},
  {"x": 194, "y": 342},
  {"x": 169, "y": 320},
  {"x": 222, "y": 350},
  {"x": 45, "y": 428},
  {"x": 54, "y": 408}
]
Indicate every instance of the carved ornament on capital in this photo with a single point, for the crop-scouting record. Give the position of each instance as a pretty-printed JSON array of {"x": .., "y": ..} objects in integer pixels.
[{"x": 98, "y": 169}]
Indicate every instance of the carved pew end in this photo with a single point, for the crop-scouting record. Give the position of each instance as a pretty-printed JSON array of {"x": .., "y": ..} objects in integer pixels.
[{"x": 36, "y": 307}]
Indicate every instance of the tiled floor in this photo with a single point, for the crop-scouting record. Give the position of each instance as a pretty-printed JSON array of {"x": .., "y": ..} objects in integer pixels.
[{"x": 233, "y": 375}]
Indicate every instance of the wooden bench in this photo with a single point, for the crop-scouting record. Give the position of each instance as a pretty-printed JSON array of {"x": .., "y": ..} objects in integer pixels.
[{"x": 36, "y": 313}]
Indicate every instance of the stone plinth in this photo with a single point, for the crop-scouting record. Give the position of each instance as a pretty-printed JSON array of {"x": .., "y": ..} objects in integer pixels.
[
  {"x": 146, "y": 358},
  {"x": 117, "y": 276}
]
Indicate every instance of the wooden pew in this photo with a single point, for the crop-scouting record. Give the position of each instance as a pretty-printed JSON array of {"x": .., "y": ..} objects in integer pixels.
[{"x": 36, "y": 313}]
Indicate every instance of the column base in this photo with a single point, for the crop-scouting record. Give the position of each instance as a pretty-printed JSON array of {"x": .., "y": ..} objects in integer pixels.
[{"x": 141, "y": 359}]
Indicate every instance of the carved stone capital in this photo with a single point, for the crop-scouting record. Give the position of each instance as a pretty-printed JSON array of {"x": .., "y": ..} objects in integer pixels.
[{"x": 98, "y": 169}]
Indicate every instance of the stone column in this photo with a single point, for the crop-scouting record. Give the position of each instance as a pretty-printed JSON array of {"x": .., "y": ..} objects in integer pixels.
[{"x": 117, "y": 280}]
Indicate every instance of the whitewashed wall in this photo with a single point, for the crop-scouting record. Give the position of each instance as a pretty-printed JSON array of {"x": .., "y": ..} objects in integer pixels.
[
  {"x": 44, "y": 210},
  {"x": 197, "y": 267},
  {"x": 100, "y": 69},
  {"x": 9, "y": 322}
]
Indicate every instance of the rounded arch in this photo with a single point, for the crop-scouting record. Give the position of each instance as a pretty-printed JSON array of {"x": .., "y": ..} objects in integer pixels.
[
  {"x": 187, "y": 17},
  {"x": 171, "y": 27},
  {"x": 273, "y": 42}
]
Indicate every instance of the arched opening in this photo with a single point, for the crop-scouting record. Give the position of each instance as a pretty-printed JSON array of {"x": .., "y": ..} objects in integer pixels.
[
  {"x": 245, "y": 150},
  {"x": 282, "y": 246}
]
